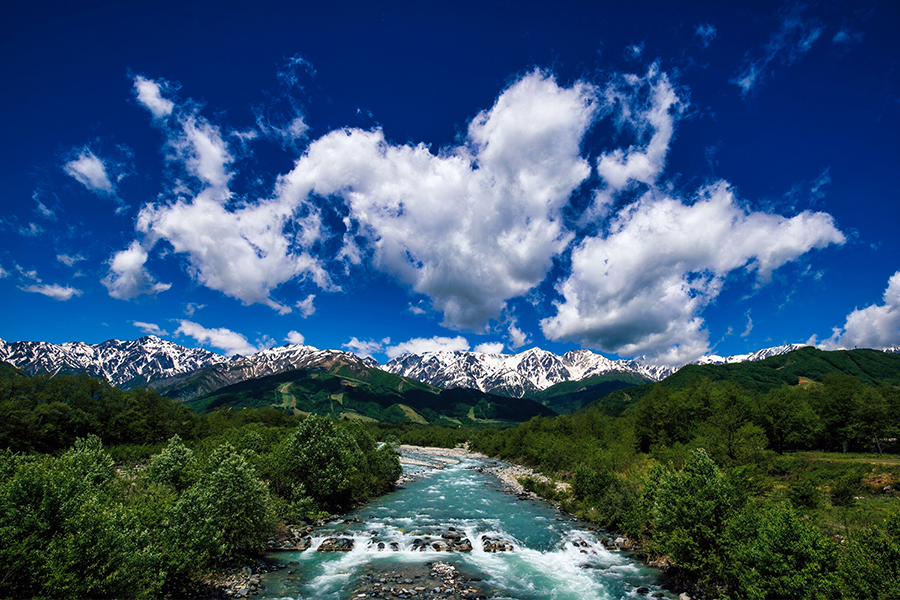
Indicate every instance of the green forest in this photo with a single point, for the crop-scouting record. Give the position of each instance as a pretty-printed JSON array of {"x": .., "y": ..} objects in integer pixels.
[
  {"x": 787, "y": 493},
  {"x": 776, "y": 479},
  {"x": 112, "y": 494}
]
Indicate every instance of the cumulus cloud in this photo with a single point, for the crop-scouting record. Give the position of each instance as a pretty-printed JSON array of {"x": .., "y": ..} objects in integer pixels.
[
  {"x": 127, "y": 277},
  {"x": 55, "y": 291},
  {"x": 640, "y": 288},
  {"x": 3, "y": 273},
  {"x": 490, "y": 348},
  {"x": 794, "y": 38},
  {"x": 226, "y": 340},
  {"x": 876, "y": 326},
  {"x": 244, "y": 249},
  {"x": 91, "y": 172},
  {"x": 473, "y": 225},
  {"x": 295, "y": 337},
  {"x": 149, "y": 94},
  {"x": 150, "y": 328},
  {"x": 434, "y": 344}
]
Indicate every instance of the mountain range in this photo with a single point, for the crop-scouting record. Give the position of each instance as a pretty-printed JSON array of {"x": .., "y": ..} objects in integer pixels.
[{"x": 189, "y": 373}]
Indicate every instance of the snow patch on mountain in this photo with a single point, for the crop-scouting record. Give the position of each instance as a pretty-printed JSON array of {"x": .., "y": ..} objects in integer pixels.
[{"x": 535, "y": 369}]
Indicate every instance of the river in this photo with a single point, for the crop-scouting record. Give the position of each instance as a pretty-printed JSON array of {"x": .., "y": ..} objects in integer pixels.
[{"x": 549, "y": 555}]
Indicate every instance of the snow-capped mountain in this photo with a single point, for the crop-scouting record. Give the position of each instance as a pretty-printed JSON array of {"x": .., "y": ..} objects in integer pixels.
[
  {"x": 123, "y": 363},
  {"x": 713, "y": 359},
  {"x": 535, "y": 369},
  {"x": 164, "y": 364},
  {"x": 514, "y": 374}
]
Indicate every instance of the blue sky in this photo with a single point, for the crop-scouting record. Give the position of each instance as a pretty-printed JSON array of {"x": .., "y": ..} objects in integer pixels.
[{"x": 665, "y": 179}]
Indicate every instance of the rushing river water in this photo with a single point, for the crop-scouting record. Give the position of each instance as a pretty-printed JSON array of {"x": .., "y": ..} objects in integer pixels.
[{"x": 552, "y": 557}]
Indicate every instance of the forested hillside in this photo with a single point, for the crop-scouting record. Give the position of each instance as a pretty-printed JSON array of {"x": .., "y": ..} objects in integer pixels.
[{"x": 737, "y": 476}]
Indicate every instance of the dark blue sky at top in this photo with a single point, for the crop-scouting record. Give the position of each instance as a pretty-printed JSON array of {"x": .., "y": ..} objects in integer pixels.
[{"x": 816, "y": 132}]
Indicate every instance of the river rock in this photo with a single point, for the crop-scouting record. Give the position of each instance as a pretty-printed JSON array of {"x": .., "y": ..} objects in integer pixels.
[
  {"x": 336, "y": 545},
  {"x": 496, "y": 544}
]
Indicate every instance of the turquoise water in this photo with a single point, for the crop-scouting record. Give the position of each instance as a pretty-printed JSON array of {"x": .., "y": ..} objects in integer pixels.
[{"x": 553, "y": 557}]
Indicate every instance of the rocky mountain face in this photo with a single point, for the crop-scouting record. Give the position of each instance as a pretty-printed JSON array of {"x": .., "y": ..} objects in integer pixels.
[
  {"x": 534, "y": 370},
  {"x": 192, "y": 372},
  {"x": 514, "y": 375},
  {"x": 164, "y": 365},
  {"x": 126, "y": 364}
]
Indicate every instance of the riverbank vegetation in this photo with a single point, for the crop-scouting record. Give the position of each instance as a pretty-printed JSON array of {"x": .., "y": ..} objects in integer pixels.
[
  {"x": 112, "y": 494},
  {"x": 743, "y": 493}
]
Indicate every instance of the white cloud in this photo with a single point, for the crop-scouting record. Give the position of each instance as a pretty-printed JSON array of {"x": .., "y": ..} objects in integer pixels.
[
  {"x": 795, "y": 36},
  {"x": 517, "y": 337},
  {"x": 366, "y": 348},
  {"x": 474, "y": 225},
  {"x": 243, "y": 249},
  {"x": 434, "y": 344},
  {"x": 749, "y": 326},
  {"x": 191, "y": 307},
  {"x": 200, "y": 147},
  {"x": 42, "y": 209},
  {"x": 55, "y": 291},
  {"x": 150, "y": 328},
  {"x": 647, "y": 106},
  {"x": 876, "y": 326},
  {"x": 69, "y": 260},
  {"x": 490, "y": 348},
  {"x": 307, "y": 308},
  {"x": 224, "y": 339},
  {"x": 3, "y": 273},
  {"x": 295, "y": 337},
  {"x": 149, "y": 94},
  {"x": 90, "y": 171},
  {"x": 127, "y": 277},
  {"x": 640, "y": 289}
]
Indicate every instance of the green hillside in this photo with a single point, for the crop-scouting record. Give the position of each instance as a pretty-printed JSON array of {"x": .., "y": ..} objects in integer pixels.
[
  {"x": 808, "y": 364},
  {"x": 569, "y": 396},
  {"x": 371, "y": 395}
]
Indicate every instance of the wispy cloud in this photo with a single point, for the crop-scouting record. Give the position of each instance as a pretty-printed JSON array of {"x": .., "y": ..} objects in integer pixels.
[
  {"x": 69, "y": 260},
  {"x": 150, "y": 328},
  {"x": 706, "y": 33},
  {"x": 749, "y": 327},
  {"x": 306, "y": 306},
  {"x": 795, "y": 36},
  {"x": 90, "y": 171},
  {"x": 55, "y": 291}
]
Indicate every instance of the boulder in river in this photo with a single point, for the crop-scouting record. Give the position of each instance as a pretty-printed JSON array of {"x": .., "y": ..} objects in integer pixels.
[{"x": 336, "y": 545}]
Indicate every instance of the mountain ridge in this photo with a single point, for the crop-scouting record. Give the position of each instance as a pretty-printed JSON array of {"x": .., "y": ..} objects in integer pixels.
[{"x": 192, "y": 372}]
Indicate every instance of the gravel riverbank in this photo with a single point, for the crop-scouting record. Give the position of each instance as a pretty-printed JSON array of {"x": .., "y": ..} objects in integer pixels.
[{"x": 508, "y": 474}]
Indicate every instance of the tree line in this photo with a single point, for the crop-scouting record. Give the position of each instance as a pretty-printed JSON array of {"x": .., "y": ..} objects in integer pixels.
[
  {"x": 733, "y": 488},
  {"x": 112, "y": 494}
]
